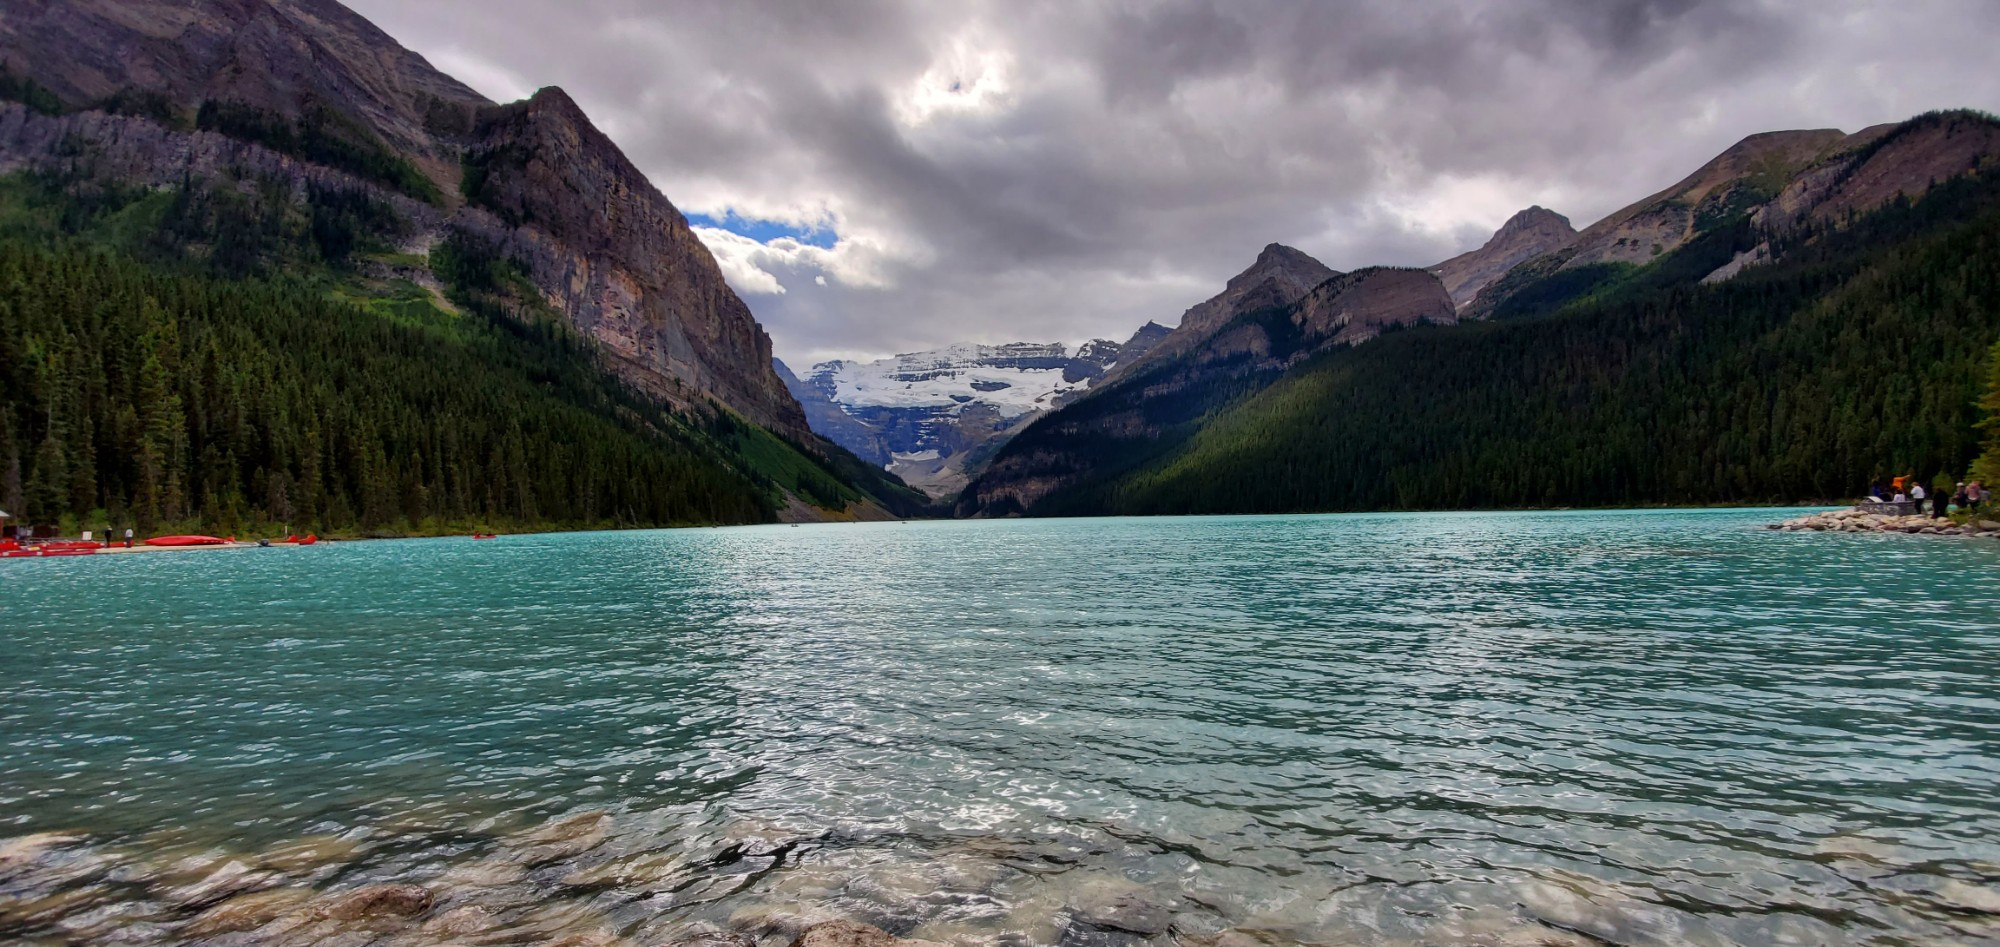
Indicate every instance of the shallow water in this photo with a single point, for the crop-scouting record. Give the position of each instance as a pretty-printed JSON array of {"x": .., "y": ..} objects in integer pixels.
[{"x": 1629, "y": 727}]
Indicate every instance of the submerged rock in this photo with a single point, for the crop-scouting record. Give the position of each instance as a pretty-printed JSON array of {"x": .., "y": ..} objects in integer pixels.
[
  {"x": 1128, "y": 912},
  {"x": 247, "y": 912},
  {"x": 1113, "y": 914},
  {"x": 216, "y": 883},
  {"x": 38, "y": 864},
  {"x": 462, "y": 922},
  {"x": 563, "y": 839},
  {"x": 1962, "y": 896},
  {"x": 714, "y": 939},
  {"x": 21, "y": 855},
  {"x": 311, "y": 856},
  {"x": 381, "y": 900},
  {"x": 845, "y": 933}
]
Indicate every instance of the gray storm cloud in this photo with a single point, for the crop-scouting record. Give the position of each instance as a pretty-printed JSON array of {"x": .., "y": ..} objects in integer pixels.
[{"x": 1038, "y": 171}]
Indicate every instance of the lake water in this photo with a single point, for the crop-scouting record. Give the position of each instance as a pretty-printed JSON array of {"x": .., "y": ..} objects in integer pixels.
[{"x": 1654, "y": 727}]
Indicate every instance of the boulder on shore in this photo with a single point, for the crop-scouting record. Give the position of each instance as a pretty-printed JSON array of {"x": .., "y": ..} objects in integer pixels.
[{"x": 1864, "y": 521}]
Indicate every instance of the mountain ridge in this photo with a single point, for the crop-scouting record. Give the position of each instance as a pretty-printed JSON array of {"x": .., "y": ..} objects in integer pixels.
[{"x": 1764, "y": 197}]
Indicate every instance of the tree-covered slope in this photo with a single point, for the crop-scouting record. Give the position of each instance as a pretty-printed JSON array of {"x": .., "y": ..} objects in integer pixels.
[
  {"x": 1861, "y": 352},
  {"x": 189, "y": 359}
]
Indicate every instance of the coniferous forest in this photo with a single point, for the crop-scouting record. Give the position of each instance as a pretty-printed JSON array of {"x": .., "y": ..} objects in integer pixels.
[{"x": 164, "y": 400}]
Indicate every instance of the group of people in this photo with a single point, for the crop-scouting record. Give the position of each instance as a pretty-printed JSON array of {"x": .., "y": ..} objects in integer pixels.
[{"x": 1909, "y": 489}]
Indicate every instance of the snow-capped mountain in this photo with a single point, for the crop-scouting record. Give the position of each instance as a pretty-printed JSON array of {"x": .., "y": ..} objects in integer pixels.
[{"x": 930, "y": 417}]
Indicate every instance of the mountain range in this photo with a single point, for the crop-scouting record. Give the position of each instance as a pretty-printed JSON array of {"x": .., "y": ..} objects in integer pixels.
[{"x": 274, "y": 268}]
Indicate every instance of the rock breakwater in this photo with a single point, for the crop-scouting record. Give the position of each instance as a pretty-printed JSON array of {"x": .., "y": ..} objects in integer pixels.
[{"x": 1861, "y": 521}]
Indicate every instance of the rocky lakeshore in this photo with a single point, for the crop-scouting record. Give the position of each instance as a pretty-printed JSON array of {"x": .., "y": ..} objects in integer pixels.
[
  {"x": 1861, "y": 521},
  {"x": 594, "y": 879}
]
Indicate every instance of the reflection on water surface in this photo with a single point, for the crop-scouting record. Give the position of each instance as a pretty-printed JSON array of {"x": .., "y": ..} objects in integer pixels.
[{"x": 1648, "y": 728}]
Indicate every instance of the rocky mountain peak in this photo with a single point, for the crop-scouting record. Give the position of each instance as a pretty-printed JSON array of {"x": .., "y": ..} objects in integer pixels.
[
  {"x": 1526, "y": 235},
  {"x": 1289, "y": 266},
  {"x": 1279, "y": 277},
  {"x": 1534, "y": 219}
]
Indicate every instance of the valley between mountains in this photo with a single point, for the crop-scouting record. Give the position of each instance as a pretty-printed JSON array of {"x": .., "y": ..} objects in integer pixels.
[{"x": 270, "y": 270}]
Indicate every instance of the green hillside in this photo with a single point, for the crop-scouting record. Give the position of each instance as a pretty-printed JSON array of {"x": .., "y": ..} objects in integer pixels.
[{"x": 1861, "y": 354}]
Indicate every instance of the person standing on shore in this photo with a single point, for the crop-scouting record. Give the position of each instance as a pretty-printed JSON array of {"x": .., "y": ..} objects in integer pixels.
[{"x": 1916, "y": 497}]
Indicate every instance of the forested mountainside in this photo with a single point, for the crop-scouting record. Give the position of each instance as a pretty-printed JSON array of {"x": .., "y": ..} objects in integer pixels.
[
  {"x": 1775, "y": 352},
  {"x": 141, "y": 388},
  {"x": 504, "y": 301}
]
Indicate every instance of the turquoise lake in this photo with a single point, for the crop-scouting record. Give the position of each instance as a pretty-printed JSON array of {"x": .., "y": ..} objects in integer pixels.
[{"x": 1650, "y": 727}]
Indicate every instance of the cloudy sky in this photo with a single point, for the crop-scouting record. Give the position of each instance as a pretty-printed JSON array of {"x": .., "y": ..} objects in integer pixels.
[{"x": 890, "y": 175}]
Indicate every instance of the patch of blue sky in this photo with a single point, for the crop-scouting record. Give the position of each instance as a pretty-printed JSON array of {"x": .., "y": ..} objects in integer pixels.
[{"x": 765, "y": 231}]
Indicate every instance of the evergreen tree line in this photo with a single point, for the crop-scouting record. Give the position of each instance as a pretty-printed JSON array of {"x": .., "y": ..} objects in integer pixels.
[
  {"x": 1863, "y": 353},
  {"x": 164, "y": 400}
]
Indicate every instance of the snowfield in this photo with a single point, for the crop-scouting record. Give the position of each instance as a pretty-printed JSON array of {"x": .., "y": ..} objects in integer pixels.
[{"x": 1015, "y": 379}]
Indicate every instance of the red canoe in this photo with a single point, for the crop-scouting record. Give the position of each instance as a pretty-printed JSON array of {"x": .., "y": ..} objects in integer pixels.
[{"x": 187, "y": 541}]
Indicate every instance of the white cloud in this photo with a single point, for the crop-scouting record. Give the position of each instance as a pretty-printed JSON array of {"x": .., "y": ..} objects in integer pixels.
[
  {"x": 973, "y": 73},
  {"x": 737, "y": 256},
  {"x": 485, "y": 77}
]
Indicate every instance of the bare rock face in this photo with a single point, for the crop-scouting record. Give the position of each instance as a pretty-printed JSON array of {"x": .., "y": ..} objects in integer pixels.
[
  {"x": 1358, "y": 306},
  {"x": 611, "y": 251},
  {"x": 1523, "y": 237}
]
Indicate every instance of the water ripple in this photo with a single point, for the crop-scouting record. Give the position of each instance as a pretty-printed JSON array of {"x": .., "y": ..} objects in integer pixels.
[{"x": 1645, "y": 728}]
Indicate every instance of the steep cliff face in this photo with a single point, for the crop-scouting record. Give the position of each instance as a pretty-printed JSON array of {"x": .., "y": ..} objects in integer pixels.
[
  {"x": 1523, "y": 237},
  {"x": 305, "y": 91},
  {"x": 610, "y": 250}
]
